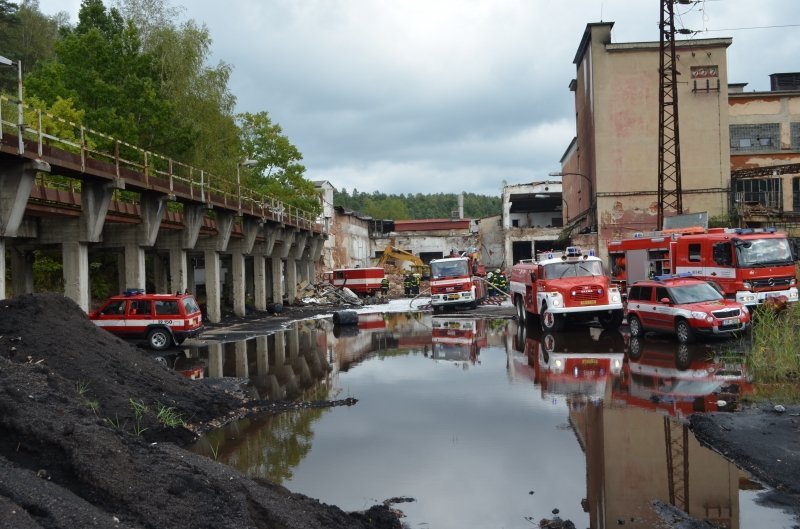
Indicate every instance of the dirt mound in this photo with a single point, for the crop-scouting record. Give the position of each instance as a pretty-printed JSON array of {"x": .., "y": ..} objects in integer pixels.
[{"x": 81, "y": 443}]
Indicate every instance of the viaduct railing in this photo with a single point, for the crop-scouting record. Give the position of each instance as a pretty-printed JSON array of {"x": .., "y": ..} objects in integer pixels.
[{"x": 78, "y": 152}]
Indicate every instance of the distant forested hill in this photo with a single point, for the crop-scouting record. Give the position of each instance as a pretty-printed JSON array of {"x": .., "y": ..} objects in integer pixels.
[{"x": 416, "y": 206}]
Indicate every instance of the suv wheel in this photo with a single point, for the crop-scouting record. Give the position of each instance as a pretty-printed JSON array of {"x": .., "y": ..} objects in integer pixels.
[
  {"x": 159, "y": 339},
  {"x": 684, "y": 331},
  {"x": 635, "y": 325}
]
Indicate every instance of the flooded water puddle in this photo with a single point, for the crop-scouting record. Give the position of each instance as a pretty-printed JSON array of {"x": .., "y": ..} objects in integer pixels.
[{"x": 488, "y": 425}]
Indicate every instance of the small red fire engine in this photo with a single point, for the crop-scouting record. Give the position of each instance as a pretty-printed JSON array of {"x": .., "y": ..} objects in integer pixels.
[
  {"x": 558, "y": 286},
  {"x": 362, "y": 281},
  {"x": 458, "y": 339},
  {"x": 748, "y": 265},
  {"x": 457, "y": 281}
]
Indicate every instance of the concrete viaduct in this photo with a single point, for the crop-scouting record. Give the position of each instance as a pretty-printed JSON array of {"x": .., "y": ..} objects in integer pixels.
[{"x": 218, "y": 219}]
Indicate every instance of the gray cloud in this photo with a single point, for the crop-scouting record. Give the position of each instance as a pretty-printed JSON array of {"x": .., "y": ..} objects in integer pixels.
[{"x": 446, "y": 95}]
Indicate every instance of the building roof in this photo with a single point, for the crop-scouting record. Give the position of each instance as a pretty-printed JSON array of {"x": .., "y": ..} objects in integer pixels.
[
  {"x": 587, "y": 37},
  {"x": 431, "y": 224}
]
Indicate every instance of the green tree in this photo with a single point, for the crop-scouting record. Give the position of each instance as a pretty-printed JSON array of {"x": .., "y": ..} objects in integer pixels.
[{"x": 277, "y": 171}]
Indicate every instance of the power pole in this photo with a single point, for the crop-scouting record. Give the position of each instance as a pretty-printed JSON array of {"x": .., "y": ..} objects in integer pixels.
[{"x": 669, "y": 154}]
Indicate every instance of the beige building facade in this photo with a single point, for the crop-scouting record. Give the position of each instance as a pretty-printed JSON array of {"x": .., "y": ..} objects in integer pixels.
[{"x": 610, "y": 170}]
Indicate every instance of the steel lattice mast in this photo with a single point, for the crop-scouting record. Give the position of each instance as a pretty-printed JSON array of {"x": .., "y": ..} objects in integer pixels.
[{"x": 669, "y": 155}]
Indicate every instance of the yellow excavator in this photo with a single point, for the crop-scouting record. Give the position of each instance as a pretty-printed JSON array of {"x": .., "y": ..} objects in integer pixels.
[{"x": 396, "y": 255}]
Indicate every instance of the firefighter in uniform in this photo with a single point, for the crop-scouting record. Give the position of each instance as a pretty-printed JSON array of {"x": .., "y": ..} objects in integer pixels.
[
  {"x": 385, "y": 286},
  {"x": 407, "y": 284},
  {"x": 502, "y": 282},
  {"x": 490, "y": 280},
  {"x": 415, "y": 282}
]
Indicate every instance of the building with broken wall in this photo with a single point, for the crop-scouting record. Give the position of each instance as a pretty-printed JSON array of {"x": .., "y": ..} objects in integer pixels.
[
  {"x": 532, "y": 220},
  {"x": 765, "y": 153}
]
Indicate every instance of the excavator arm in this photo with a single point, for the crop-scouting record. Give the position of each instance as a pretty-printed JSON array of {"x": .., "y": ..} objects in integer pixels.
[{"x": 417, "y": 265}]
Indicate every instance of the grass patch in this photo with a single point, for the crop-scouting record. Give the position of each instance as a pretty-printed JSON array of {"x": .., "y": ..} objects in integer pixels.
[
  {"x": 168, "y": 416},
  {"x": 775, "y": 356}
]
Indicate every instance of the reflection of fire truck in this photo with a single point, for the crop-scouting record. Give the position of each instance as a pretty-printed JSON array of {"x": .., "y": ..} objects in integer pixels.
[
  {"x": 565, "y": 285},
  {"x": 667, "y": 376},
  {"x": 575, "y": 363},
  {"x": 748, "y": 265},
  {"x": 457, "y": 281},
  {"x": 362, "y": 281},
  {"x": 458, "y": 339}
]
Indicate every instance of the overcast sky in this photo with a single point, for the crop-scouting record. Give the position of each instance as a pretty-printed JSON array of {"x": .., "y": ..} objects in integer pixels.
[{"x": 407, "y": 96}]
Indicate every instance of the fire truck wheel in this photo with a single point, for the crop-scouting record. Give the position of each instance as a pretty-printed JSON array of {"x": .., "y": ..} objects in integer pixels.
[
  {"x": 159, "y": 339},
  {"x": 611, "y": 320},
  {"x": 635, "y": 326},
  {"x": 684, "y": 331},
  {"x": 552, "y": 322},
  {"x": 522, "y": 315}
]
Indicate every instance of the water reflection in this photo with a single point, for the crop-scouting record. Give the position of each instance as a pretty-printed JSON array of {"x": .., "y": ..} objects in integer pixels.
[{"x": 599, "y": 406}]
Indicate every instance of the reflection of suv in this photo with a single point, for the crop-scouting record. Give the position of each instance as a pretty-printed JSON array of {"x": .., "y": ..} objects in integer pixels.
[
  {"x": 685, "y": 306},
  {"x": 162, "y": 320}
]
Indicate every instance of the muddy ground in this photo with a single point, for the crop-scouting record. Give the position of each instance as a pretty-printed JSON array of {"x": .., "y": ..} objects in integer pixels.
[{"x": 74, "y": 451}]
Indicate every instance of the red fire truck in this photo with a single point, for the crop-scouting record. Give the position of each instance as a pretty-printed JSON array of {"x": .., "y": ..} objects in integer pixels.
[
  {"x": 748, "y": 265},
  {"x": 458, "y": 339},
  {"x": 457, "y": 281},
  {"x": 362, "y": 281},
  {"x": 565, "y": 285}
]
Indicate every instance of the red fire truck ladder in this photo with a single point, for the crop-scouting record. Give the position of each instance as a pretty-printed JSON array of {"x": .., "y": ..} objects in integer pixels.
[
  {"x": 669, "y": 154},
  {"x": 676, "y": 435}
]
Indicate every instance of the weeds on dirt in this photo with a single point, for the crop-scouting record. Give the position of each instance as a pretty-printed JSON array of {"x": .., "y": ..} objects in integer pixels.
[
  {"x": 115, "y": 422},
  {"x": 169, "y": 416},
  {"x": 94, "y": 405},
  {"x": 214, "y": 450},
  {"x": 81, "y": 388},
  {"x": 139, "y": 411}
]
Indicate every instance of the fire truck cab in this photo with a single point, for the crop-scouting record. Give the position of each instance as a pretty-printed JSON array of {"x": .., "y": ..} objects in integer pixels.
[
  {"x": 748, "y": 265},
  {"x": 457, "y": 281},
  {"x": 560, "y": 286}
]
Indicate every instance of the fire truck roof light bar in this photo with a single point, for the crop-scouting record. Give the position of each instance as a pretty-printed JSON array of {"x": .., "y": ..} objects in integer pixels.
[{"x": 134, "y": 292}]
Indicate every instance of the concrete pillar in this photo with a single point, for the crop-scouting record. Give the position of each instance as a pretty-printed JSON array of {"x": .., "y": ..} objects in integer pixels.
[
  {"x": 291, "y": 280},
  {"x": 21, "y": 271},
  {"x": 260, "y": 282},
  {"x": 277, "y": 280},
  {"x": 121, "y": 272},
  {"x": 16, "y": 182},
  {"x": 216, "y": 359},
  {"x": 160, "y": 275},
  {"x": 293, "y": 336},
  {"x": 178, "y": 270},
  {"x": 213, "y": 294},
  {"x": 191, "y": 285},
  {"x": 134, "y": 266},
  {"x": 75, "y": 261},
  {"x": 242, "y": 368},
  {"x": 3, "y": 294},
  {"x": 238, "y": 278},
  {"x": 262, "y": 354},
  {"x": 280, "y": 349}
]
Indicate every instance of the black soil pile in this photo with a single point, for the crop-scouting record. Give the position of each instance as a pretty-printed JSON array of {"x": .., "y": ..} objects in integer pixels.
[{"x": 82, "y": 445}]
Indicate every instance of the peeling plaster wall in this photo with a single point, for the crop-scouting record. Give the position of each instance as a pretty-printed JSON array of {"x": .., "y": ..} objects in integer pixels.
[
  {"x": 492, "y": 248},
  {"x": 349, "y": 239}
]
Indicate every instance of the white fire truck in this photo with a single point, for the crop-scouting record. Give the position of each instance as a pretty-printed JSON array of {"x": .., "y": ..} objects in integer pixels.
[
  {"x": 562, "y": 286},
  {"x": 457, "y": 281},
  {"x": 748, "y": 265}
]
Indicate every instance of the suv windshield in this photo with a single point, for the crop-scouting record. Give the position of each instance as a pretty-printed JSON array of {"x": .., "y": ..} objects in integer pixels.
[
  {"x": 579, "y": 269},
  {"x": 190, "y": 305},
  {"x": 694, "y": 293},
  {"x": 449, "y": 268},
  {"x": 763, "y": 252}
]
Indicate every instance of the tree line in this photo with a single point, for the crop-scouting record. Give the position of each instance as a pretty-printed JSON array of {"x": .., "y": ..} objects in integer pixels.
[
  {"x": 133, "y": 72},
  {"x": 416, "y": 205}
]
